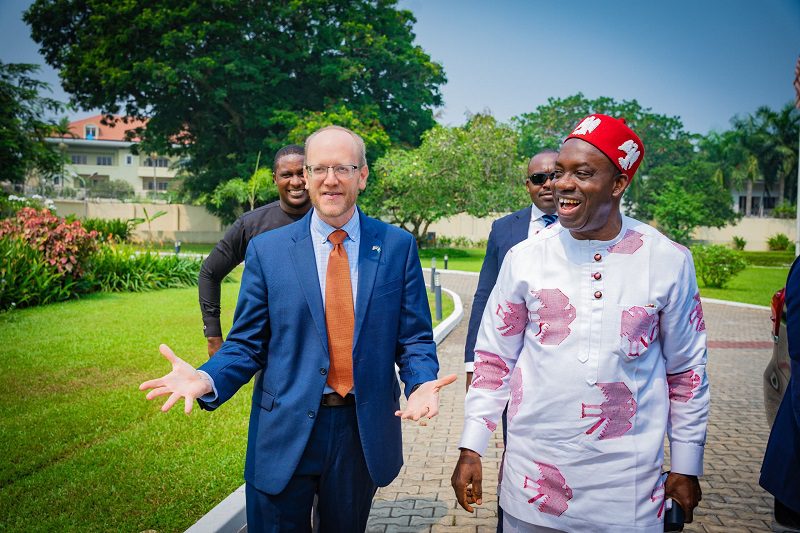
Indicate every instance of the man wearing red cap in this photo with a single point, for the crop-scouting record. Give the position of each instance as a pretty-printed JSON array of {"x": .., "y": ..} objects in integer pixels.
[{"x": 611, "y": 357}]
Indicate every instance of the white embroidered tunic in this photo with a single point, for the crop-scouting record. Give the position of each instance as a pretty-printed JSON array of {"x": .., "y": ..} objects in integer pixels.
[{"x": 598, "y": 347}]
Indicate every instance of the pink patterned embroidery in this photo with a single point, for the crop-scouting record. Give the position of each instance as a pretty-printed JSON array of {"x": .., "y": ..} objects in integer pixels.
[
  {"x": 680, "y": 247},
  {"x": 489, "y": 371},
  {"x": 489, "y": 424},
  {"x": 696, "y": 315},
  {"x": 516, "y": 393},
  {"x": 639, "y": 327},
  {"x": 617, "y": 410},
  {"x": 555, "y": 316},
  {"x": 682, "y": 386},
  {"x": 514, "y": 317},
  {"x": 631, "y": 242},
  {"x": 552, "y": 487},
  {"x": 658, "y": 495}
]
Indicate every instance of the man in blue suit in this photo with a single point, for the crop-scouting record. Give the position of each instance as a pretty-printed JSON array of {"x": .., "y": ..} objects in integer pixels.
[
  {"x": 780, "y": 472},
  {"x": 505, "y": 233},
  {"x": 322, "y": 423}
]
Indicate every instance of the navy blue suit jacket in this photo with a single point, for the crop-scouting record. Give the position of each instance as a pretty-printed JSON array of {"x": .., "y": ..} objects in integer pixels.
[
  {"x": 279, "y": 327},
  {"x": 780, "y": 472},
  {"x": 506, "y": 232}
]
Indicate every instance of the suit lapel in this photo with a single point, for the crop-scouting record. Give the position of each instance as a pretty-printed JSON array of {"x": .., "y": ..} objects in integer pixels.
[
  {"x": 369, "y": 256},
  {"x": 305, "y": 263},
  {"x": 519, "y": 229}
]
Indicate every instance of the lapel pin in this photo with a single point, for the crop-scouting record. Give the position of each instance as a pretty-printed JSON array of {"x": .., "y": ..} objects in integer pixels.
[{"x": 376, "y": 249}]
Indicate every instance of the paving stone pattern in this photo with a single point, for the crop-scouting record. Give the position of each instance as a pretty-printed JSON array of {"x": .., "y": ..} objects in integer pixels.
[{"x": 421, "y": 498}]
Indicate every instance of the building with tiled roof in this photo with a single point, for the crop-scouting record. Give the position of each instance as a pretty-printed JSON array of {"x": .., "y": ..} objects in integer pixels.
[{"x": 98, "y": 154}]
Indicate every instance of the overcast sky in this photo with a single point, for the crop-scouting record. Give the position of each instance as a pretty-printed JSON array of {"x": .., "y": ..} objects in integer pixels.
[{"x": 704, "y": 61}]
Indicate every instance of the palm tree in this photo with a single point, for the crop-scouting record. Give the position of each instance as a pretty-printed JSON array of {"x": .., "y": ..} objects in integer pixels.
[{"x": 61, "y": 130}]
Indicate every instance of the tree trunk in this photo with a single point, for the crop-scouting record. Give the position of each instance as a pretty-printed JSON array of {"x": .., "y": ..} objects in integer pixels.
[{"x": 748, "y": 203}]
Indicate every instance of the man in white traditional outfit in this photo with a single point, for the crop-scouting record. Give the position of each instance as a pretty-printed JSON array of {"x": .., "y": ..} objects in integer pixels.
[{"x": 612, "y": 356}]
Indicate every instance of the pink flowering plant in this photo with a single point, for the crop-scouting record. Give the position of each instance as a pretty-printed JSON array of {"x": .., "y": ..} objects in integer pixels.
[{"x": 65, "y": 246}]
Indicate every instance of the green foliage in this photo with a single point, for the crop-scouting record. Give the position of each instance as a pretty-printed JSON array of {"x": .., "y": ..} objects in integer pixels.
[
  {"x": 122, "y": 269},
  {"x": 232, "y": 198},
  {"x": 119, "y": 189},
  {"x": 26, "y": 278},
  {"x": 459, "y": 242},
  {"x": 23, "y": 126},
  {"x": 778, "y": 242},
  {"x": 114, "y": 229},
  {"x": 366, "y": 124},
  {"x": 785, "y": 209},
  {"x": 44, "y": 258},
  {"x": 220, "y": 81},
  {"x": 11, "y": 204},
  {"x": 471, "y": 169},
  {"x": 754, "y": 285},
  {"x": 770, "y": 139},
  {"x": 739, "y": 243},
  {"x": 769, "y": 259},
  {"x": 149, "y": 219},
  {"x": 682, "y": 198},
  {"x": 717, "y": 264},
  {"x": 665, "y": 140}
]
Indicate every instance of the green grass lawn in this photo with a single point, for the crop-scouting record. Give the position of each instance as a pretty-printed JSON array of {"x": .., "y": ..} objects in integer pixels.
[
  {"x": 82, "y": 449},
  {"x": 469, "y": 259},
  {"x": 754, "y": 285}
]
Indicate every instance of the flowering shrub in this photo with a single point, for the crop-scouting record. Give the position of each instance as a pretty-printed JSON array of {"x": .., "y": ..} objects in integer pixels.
[
  {"x": 65, "y": 246},
  {"x": 46, "y": 259},
  {"x": 11, "y": 204}
]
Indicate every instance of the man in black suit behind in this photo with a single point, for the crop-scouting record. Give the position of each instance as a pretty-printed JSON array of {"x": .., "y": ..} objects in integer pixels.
[{"x": 506, "y": 232}]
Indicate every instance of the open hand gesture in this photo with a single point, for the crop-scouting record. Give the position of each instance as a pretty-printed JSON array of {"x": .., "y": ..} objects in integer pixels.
[
  {"x": 425, "y": 400},
  {"x": 184, "y": 381}
]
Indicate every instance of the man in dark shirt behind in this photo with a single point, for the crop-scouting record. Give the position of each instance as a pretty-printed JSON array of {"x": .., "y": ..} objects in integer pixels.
[{"x": 294, "y": 203}]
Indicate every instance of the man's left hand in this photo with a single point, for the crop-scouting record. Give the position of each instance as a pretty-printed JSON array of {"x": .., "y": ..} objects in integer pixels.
[
  {"x": 425, "y": 400},
  {"x": 684, "y": 490}
]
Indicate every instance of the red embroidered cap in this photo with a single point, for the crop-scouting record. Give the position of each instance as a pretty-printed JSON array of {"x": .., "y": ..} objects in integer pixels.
[{"x": 614, "y": 138}]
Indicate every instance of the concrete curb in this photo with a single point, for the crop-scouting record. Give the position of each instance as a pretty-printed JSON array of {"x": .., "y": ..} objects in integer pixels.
[
  {"x": 736, "y": 304},
  {"x": 230, "y": 515}
]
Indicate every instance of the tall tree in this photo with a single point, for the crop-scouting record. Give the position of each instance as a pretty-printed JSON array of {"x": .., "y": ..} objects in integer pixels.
[
  {"x": 471, "y": 169},
  {"x": 24, "y": 124},
  {"x": 689, "y": 196},
  {"x": 666, "y": 142},
  {"x": 221, "y": 80}
]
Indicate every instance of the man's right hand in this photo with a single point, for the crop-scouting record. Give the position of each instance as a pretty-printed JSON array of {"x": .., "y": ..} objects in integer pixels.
[
  {"x": 467, "y": 478},
  {"x": 184, "y": 381},
  {"x": 214, "y": 344},
  {"x": 469, "y": 380}
]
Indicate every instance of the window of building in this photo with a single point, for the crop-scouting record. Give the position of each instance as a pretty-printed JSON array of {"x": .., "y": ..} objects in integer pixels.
[
  {"x": 104, "y": 160},
  {"x": 79, "y": 159},
  {"x": 162, "y": 162},
  {"x": 129, "y": 159},
  {"x": 91, "y": 132},
  {"x": 162, "y": 185}
]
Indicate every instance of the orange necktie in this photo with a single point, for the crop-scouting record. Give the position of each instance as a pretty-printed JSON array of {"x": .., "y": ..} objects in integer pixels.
[{"x": 339, "y": 316}]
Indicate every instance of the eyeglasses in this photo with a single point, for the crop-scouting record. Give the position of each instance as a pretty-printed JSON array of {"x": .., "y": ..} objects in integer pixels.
[
  {"x": 340, "y": 171},
  {"x": 538, "y": 178}
]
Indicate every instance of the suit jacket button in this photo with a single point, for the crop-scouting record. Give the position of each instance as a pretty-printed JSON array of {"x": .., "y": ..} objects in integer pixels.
[
  {"x": 323, "y": 371},
  {"x": 311, "y": 414}
]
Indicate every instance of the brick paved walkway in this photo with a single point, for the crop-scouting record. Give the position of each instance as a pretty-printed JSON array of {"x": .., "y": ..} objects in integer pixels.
[{"x": 421, "y": 499}]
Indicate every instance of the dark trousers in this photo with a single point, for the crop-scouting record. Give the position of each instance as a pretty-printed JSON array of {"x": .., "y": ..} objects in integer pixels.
[
  {"x": 505, "y": 442},
  {"x": 786, "y": 516},
  {"x": 332, "y": 467}
]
